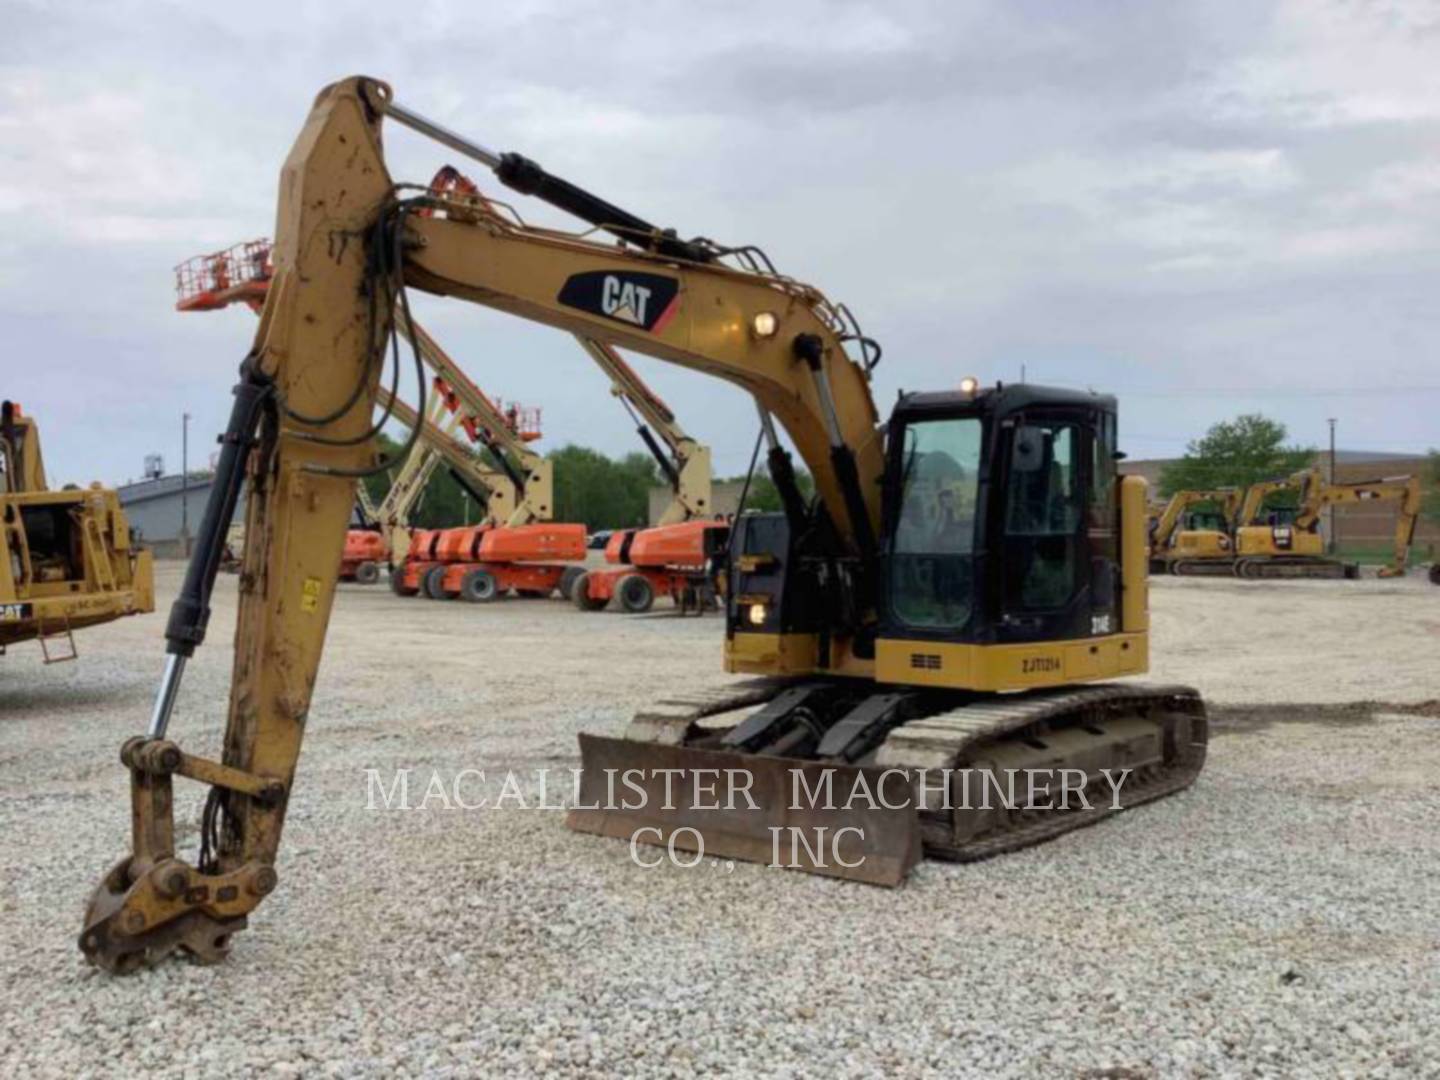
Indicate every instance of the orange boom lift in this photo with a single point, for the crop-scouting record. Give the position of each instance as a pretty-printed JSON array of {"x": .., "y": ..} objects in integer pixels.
[
  {"x": 676, "y": 557},
  {"x": 241, "y": 274}
]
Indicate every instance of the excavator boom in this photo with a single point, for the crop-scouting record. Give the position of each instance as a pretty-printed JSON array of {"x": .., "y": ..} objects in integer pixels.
[{"x": 1402, "y": 490}]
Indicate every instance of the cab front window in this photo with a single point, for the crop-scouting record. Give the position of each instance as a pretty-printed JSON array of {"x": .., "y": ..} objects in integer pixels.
[{"x": 933, "y": 549}]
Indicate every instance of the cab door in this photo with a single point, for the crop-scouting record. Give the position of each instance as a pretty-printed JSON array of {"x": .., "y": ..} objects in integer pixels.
[{"x": 1057, "y": 527}]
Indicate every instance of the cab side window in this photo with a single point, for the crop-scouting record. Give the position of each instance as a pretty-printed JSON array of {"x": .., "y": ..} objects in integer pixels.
[{"x": 1043, "y": 515}]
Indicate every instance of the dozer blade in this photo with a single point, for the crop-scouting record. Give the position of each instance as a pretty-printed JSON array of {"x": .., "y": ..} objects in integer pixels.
[{"x": 778, "y": 811}]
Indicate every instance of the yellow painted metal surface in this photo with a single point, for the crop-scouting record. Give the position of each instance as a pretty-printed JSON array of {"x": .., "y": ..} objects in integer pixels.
[
  {"x": 1134, "y": 557},
  {"x": 93, "y": 575},
  {"x": 791, "y": 654},
  {"x": 1025, "y": 666},
  {"x": 1270, "y": 540}
]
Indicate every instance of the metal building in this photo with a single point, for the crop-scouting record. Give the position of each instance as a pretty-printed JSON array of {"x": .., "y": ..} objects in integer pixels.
[{"x": 158, "y": 507}]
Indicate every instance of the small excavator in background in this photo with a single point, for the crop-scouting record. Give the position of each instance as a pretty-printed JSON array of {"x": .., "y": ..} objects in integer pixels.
[
  {"x": 1287, "y": 544},
  {"x": 1183, "y": 536},
  {"x": 1295, "y": 548},
  {"x": 67, "y": 558},
  {"x": 955, "y": 602}
]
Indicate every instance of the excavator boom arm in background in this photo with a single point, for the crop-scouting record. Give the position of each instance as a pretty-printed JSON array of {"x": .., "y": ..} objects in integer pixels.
[
  {"x": 685, "y": 462},
  {"x": 1257, "y": 493},
  {"x": 1404, "y": 490}
]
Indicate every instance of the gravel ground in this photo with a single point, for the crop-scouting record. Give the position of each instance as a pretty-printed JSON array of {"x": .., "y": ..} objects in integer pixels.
[{"x": 1280, "y": 918}]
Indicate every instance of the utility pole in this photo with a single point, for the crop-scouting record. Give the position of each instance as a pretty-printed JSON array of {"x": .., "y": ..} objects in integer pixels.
[
  {"x": 1334, "y": 521},
  {"x": 185, "y": 484}
]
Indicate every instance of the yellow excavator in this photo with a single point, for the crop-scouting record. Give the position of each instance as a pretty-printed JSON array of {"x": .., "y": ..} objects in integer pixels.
[
  {"x": 928, "y": 618},
  {"x": 67, "y": 558},
  {"x": 1183, "y": 538},
  {"x": 1294, "y": 548}
]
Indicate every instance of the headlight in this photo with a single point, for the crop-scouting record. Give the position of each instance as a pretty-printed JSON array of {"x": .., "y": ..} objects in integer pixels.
[
  {"x": 969, "y": 385},
  {"x": 765, "y": 324},
  {"x": 757, "y": 614}
]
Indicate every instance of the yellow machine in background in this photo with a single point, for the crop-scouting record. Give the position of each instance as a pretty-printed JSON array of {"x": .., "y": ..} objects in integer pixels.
[
  {"x": 1288, "y": 543},
  {"x": 67, "y": 559},
  {"x": 1296, "y": 548},
  {"x": 1186, "y": 541}
]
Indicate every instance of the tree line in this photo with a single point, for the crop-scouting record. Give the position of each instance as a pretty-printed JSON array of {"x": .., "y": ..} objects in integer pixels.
[
  {"x": 1237, "y": 453},
  {"x": 1250, "y": 448}
]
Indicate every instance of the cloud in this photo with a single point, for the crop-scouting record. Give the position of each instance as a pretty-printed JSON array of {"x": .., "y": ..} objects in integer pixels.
[{"x": 1143, "y": 197}]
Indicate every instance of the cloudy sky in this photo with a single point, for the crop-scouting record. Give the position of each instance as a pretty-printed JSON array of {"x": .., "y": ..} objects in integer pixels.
[{"x": 1206, "y": 208}]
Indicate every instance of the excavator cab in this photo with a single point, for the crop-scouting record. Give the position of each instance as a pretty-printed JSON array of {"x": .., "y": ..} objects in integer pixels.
[
  {"x": 998, "y": 527},
  {"x": 998, "y": 524}
]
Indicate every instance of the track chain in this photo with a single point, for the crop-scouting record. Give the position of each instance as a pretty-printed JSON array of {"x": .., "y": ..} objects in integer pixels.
[{"x": 948, "y": 739}]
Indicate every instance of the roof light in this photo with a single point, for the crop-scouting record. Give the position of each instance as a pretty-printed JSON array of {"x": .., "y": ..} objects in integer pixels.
[{"x": 969, "y": 385}]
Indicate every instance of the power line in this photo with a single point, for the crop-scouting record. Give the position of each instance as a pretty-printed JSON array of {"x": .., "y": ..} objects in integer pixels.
[
  {"x": 1272, "y": 390},
  {"x": 1268, "y": 391}
]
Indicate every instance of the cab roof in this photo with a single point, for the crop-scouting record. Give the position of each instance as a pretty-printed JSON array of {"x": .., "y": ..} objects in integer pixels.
[{"x": 1001, "y": 398}]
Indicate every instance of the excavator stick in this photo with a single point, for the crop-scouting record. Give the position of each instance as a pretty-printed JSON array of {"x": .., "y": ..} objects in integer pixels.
[{"x": 300, "y": 433}]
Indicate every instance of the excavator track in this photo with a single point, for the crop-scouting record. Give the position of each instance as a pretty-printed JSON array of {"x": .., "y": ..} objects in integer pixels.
[
  {"x": 1203, "y": 568},
  {"x": 1276, "y": 568},
  {"x": 1167, "y": 719},
  {"x": 1157, "y": 734}
]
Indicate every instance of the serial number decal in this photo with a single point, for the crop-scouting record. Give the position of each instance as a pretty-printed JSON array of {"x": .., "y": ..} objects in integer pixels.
[
  {"x": 1033, "y": 665},
  {"x": 94, "y": 603}
]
